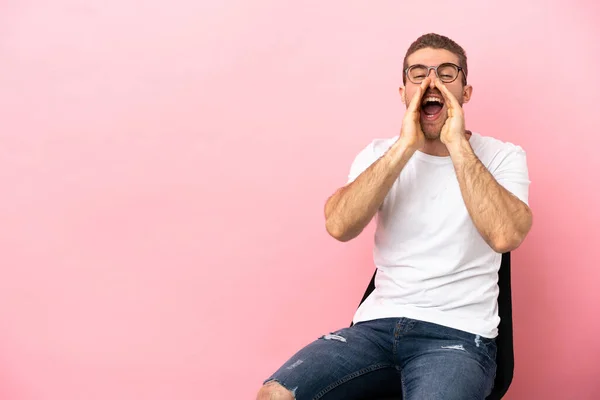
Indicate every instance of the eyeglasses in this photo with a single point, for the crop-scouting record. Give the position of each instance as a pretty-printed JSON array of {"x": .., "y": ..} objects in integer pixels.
[{"x": 447, "y": 72}]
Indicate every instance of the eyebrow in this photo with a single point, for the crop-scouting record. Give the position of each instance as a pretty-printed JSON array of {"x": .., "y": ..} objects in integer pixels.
[{"x": 425, "y": 65}]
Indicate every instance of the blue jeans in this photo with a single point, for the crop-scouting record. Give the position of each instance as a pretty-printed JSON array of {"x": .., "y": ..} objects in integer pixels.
[{"x": 400, "y": 357}]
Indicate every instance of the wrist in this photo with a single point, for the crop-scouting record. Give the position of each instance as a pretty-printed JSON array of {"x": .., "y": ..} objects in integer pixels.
[
  {"x": 402, "y": 147},
  {"x": 400, "y": 152},
  {"x": 459, "y": 148}
]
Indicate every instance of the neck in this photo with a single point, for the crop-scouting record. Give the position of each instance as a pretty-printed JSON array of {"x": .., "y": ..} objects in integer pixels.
[{"x": 436, "y": 148}]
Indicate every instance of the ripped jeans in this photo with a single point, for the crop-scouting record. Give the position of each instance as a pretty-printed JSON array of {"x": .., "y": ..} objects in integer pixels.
[{"x": 392, "y": 357}]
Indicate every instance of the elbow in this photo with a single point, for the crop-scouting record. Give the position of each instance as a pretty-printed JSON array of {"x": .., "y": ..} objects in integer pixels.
[
  {"x": 505, "y": 245},
  {"x": 336, "y": 228},
  {"x": 509, "y": 242},
  {"x": 512, "y": 238},
  {"x": 338, "y": 232}
]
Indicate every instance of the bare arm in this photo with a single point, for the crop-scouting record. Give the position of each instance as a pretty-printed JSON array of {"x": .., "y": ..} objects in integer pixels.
[
  {"x": 350, "y": 209},
  {"x": 500, "y": 217}
]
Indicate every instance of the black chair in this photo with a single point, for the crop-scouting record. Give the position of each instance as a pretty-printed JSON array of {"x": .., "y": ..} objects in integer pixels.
[{"x": 504, "y": 341}]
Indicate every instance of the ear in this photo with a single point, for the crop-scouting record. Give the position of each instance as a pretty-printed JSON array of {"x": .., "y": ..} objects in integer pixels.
[
  {"x": 467, "y": 92},
  {"x": 402, "y": 94}
]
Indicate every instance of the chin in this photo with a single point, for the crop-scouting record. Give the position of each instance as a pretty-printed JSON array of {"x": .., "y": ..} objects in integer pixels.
[
  {"x": 431, "y": 135},
  {"x": 433, "y": 129}
]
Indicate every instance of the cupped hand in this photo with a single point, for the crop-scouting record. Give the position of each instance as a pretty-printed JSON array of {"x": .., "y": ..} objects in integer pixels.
[
  {"x": 454, "y": 127},
  {"x": 411, "y": 133}
]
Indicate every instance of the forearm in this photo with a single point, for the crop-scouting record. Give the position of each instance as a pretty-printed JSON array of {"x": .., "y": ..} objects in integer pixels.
[
  {"x": 350, "y": 209},
  {"x": 500, "y": 217}
]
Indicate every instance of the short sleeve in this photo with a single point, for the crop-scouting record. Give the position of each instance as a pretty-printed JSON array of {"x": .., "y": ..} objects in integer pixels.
[
  {"x": 512, "y": 173},
  {"x": 361, "y": 162}
]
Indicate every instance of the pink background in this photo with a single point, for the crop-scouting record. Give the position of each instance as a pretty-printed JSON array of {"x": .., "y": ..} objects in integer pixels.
[{"x": 164, "y": 166}]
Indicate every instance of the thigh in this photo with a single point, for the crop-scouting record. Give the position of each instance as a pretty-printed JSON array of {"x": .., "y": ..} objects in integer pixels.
[
  {"x": 448, "y": 366},
  {"x": 352, "y": 363}
]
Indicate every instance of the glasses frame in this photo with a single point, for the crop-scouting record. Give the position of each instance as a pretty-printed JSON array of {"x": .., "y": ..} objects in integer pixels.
[{"x": 459, "y": 68}]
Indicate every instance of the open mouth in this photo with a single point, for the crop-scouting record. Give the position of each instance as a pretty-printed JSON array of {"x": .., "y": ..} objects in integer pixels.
[{"x": 431, "y": 107}]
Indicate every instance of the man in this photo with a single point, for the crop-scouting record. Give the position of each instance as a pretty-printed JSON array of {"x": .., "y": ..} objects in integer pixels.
[{"x": 448, "y": 203}]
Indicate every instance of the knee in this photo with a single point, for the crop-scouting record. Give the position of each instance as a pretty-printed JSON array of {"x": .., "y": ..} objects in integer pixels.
[{"x": 274, "y": 391}]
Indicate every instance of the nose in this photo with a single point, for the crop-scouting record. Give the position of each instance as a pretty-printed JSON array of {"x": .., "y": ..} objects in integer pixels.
[{"x": 432, "y": 76}]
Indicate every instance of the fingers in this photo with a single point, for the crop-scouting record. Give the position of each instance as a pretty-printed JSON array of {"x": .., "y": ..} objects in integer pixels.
[
  {"x": 451, "y": 101},
  {"x": 415, "y": 102}
]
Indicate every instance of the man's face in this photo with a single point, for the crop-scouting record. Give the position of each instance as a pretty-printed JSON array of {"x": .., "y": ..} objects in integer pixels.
[{"x": 432, "y": 117}]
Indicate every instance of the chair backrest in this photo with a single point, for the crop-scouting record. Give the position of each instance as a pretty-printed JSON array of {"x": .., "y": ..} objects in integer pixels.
[{"x": 504, "y": 341}]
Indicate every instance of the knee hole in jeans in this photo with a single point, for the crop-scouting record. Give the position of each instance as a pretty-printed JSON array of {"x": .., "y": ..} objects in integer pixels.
[{"x": 273, "y": 390}]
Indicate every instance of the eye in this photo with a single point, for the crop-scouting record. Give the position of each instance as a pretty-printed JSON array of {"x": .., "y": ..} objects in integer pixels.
[{"x": 417, "y": 72}]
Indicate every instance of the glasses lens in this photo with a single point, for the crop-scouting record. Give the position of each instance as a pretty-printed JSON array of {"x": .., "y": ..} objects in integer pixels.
[
  {"x": 447, "y": 72},
  {"x": 417, "y": 73}
]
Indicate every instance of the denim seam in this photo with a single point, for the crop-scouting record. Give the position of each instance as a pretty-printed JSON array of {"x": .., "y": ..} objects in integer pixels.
[
  {"x": 348, "y": 377},
  {"x": 402, "y": 383},
  {"x": 403, "y": 327},
  {"x": 487, "y": 385},
  {"x": 488, "y": 351}
]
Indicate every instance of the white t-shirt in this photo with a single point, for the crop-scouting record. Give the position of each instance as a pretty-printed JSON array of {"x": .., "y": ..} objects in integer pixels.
[{"x": 432, "y": 263}]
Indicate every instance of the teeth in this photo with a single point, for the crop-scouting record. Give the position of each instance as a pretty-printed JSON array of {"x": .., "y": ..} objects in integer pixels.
[{"x": 432, "y": 99}]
